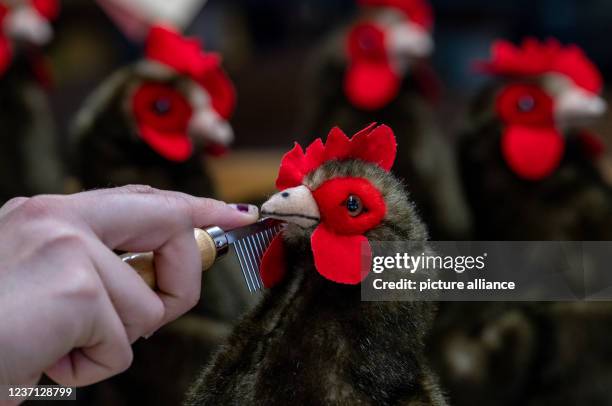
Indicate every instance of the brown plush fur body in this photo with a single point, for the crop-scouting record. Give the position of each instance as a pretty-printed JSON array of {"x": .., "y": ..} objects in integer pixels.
[
  {"x": 29, "y": 159},
  {"x": 527, "y": 353},
  {"x": 534, "y": 354},
  {"x": 312, "y": 341}
]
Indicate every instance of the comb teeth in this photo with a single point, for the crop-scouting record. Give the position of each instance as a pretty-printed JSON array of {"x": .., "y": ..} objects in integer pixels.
[{"x": 249, "y": 251}]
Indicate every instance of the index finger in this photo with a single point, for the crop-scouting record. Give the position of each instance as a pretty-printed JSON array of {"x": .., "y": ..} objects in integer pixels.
[{"x": 141, "y": 218}]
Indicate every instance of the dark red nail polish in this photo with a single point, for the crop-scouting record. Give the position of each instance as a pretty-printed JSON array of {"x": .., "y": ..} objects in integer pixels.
[{"x": 243, "y": 208}]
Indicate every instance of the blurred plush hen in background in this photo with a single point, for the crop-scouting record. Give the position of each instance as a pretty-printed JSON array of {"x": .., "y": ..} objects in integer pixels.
[
  {"x": 529, "y": 166},
  {"x": 532, "y": 173},
  {"x": 312, "y": 340},
  {"x": 376, "y": 69},
  {"x": 153, "y": 122},
  {"x": 30, "y": 162}
]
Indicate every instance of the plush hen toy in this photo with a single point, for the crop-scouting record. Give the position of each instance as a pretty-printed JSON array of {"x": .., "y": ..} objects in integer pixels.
[
  {"x": 375, "y": 69},
  {"x": 312, "y": 340},
  {"x": 29, "y": 159},
  {"x": 528, "y": 165},
  {"x": 152, "y": 123},
  {"x": 530, "y": 171}
]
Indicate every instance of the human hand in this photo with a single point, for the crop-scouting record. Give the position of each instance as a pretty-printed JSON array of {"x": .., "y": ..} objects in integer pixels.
[{"x": 69, "y": 306}]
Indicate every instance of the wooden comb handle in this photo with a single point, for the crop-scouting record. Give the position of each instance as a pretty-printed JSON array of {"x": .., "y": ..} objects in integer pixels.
[{"x": 210, "y": 243}]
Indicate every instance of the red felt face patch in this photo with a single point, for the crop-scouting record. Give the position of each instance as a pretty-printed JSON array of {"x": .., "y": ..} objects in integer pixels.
[
  {"x": 349, "y": 205},
  {"x": 370, "y": 82},
  {"x": 186, "y": 56},
  {"x": 531, "y": 144},
  {"x": 162, "y": 115},
  {"x": 6, "y": 54},
  {"x": 525, "y": 104}
]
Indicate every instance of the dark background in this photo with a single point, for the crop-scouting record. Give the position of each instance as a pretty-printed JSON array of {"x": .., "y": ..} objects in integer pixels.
[{"x": 266, "y": 45}]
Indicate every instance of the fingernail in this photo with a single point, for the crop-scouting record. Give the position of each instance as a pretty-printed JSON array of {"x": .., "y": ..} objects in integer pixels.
[{"x": 244, "y": 208}]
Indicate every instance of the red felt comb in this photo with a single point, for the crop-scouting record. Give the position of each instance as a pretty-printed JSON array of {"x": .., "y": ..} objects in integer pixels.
[
  {"x": 49, "y": 9},
  {"x": 186, "y": 56},
  {"x": 375, "y": 144},
  {"x": 536, "y": 58},
  {"x": 417, "y": 11}
]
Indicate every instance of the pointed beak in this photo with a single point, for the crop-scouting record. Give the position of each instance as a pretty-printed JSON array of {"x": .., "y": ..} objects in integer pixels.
[
  {"x": 409, "y": 41},
  {"x": 209, "y": 126},
  {"x": 294, "y": 205},
  {"x": 25, "y": 24},
  {"x": 578, "y": 104}
]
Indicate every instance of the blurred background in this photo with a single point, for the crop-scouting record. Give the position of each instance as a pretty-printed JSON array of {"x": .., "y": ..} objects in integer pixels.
[{"x": 266, "y": 46}]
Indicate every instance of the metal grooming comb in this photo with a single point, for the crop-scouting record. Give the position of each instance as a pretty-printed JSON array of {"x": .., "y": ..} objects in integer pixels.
[{"x": 249, "y": 243}]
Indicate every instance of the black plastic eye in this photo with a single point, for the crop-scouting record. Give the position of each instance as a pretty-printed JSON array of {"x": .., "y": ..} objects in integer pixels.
[
  {"x": 526, "y": 103},
  {"x": 162, "y": 106},
  {"x": 354, "y": 205}
]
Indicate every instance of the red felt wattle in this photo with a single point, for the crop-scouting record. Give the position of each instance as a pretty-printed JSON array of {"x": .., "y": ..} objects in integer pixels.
[
  {"x": 342, "y": 259},
  {"x": 273, "y": 265},
  {"x": 331, "y": 199},
  {"x": 370, "y": 82},
  {"x": 186, "y": 56},
  {"x": 532, "y": 153},
  {"x": 374, "y": 144},
  {"x": 535, "y": 58},
  {"x": 525, "y": 104},
  {"x": 162, "y": 115},
  {"x": 371, "y": 86},
  {"x": 48, "y": 9},
  {"x": 175, "y": 147},
  {"x": 417, "y": 11},
  {"x": 6, "y": 54}
]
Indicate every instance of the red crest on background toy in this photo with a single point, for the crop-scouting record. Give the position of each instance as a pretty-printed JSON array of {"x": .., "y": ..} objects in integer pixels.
[
  {"x": 162, "y": 113},
  {"x": 534, "y": 58},
  {"x": 417, "y": 11},
  {"x": 186, "y": 56},
  {"x": 338, "y": 243},
  {"x": 49, "y": 9}
]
